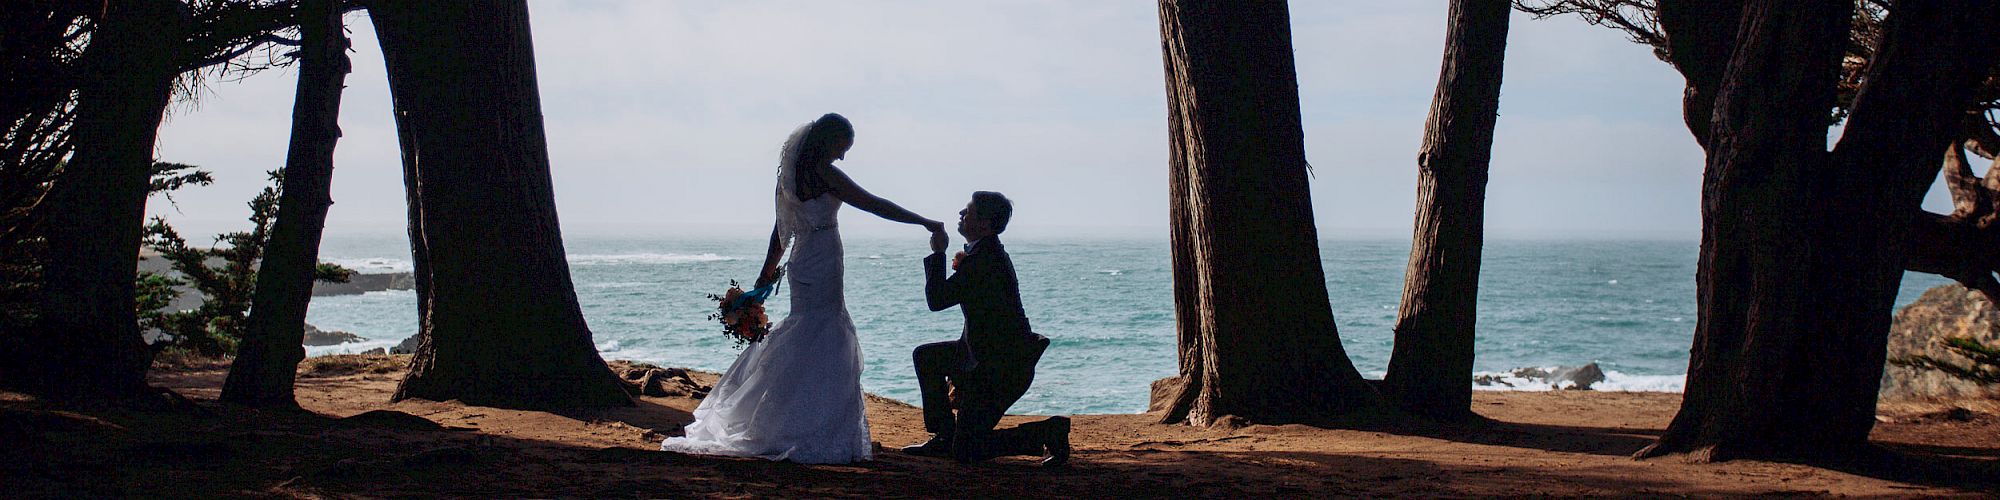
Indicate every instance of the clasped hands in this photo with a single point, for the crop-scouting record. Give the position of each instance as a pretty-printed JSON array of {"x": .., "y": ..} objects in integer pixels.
[{"x": 939, "y": 238}]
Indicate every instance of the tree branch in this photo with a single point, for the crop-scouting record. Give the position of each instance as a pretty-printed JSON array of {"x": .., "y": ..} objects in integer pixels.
[
  {"x": 1967, "y": 198},
  {"x": 1956, "y": 249},
  {"x": 253, "y": 44},
  {"x": 226, "y": 30},
  {"x": 1637, "y": 18}
]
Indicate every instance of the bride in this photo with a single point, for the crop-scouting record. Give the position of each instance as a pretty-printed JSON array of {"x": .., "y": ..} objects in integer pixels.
[{"x": 796, "y": 395}]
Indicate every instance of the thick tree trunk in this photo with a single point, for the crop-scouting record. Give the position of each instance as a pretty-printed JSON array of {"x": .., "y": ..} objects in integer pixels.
[
  {"x": 1187, "y": 299},
  {"x": 420, "y": 256},
  {"x": 1430, "y": 371},
  {"x": 86, "y": 336},
  {"x": 503, "y": 327},
  {"x": 1932, "y": 57},
  {"x": 1701, "y": 35},
  {"x": 1803, "y": 249},
  {"x": 267, "y": 361},
  {"x": 1247, "y": 263},
  {"x": 1766, "y": 141},
  {"x": 420, "y": 260}
]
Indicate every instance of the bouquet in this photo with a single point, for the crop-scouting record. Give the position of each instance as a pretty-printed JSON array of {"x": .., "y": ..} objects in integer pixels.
[{"x": 742, "y": 313}]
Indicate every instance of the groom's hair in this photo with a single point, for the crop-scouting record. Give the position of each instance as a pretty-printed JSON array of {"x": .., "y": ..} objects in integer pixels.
[{"x": 995, "y": 208}]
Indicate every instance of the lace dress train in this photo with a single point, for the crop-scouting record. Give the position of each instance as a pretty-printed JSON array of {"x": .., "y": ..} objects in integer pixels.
[{"x": 796, "y": 395}]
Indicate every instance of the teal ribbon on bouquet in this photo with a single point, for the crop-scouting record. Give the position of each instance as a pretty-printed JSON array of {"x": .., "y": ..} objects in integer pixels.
[{"x": 759, "y": 295}]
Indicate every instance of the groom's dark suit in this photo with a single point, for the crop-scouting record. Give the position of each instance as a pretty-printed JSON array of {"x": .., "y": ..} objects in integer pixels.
[{"x": 990, "y": 365}]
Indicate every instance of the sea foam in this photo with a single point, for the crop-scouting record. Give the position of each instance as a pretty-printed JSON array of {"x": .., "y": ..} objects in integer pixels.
[
  {"x": 1614, "y": 381},
  {"x": 646, "y": 258},
  {"x": 375, "y": 265}
]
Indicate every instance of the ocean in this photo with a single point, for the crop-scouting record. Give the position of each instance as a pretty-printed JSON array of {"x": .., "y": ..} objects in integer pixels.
[{"x": 1107, "y": 305}]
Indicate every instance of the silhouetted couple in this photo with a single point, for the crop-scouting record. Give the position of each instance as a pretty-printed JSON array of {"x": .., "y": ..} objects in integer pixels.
[{"x": 796, "y": 395}]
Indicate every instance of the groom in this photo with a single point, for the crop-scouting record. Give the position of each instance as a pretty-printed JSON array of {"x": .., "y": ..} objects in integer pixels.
[{"x": 993, "y": 361}]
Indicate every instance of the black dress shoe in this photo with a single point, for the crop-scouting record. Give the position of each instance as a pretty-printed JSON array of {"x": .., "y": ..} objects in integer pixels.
[
  {"x": 1055, "y": 438},
  {"x": 938, "y": 446}
]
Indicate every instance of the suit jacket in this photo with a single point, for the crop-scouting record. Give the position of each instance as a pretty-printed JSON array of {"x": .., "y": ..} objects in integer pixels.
[{"x": 985, "y": 289}]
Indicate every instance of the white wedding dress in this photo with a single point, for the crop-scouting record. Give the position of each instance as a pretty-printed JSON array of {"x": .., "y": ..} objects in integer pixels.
[{"x": 797, "y": 394}]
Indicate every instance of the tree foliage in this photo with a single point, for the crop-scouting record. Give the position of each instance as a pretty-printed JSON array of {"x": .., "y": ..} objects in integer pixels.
[
  {"x": 226, "y": 274},
  {"x": 1640, "y": 21},
  {"x": 42, "y": 43},
  {"x": 43, "y": 63}
]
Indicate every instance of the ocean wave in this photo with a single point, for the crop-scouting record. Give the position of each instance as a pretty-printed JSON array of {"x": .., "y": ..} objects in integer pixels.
[
  {"x": 375, "y": 264},
  {"x": 646, "y": 258},
  {"x": 1551, "y": 378},
  {"x": 352, "y": 347},
  {"x": 1615, "y": 381},
  {"x": 393, "y": 265},
  {"x": 618, "y": 284}
]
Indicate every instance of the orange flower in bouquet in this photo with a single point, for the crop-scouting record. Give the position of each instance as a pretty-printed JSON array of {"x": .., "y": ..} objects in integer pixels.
[{"x": 742, "y": 313}]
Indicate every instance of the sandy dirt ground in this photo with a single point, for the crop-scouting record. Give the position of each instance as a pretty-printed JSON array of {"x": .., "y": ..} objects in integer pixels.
[{"x": 352, "y": 442}]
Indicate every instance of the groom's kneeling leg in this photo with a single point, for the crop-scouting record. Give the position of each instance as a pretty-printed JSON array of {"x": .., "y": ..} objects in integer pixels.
[
  {"x": 979, "y": 412},
  {"x": 1018, "y": 440},
  {"x": 1003, "y": 391},
  {"x": 935, "y": 362}
]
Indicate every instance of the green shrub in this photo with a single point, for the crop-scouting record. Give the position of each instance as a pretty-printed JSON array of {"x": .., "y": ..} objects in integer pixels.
[{"x": 225, "y": 274}]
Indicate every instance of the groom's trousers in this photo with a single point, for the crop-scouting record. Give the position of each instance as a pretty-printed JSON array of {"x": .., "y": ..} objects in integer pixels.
[{"x": 985, "y": 391}]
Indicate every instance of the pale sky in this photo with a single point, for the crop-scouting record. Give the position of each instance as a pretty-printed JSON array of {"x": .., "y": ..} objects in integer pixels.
[{"x": 664, "y": 118}]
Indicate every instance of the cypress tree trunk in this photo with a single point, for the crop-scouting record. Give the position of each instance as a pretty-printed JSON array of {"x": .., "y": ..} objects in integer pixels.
[
  {"x": 1701, "y": 35},
  {"x": 267, "y": 361},
  {"x": 1932, "y": 58},
  {"x": 420, "y": 260},
  {"x": 419, "y": 253},
  {"x": 1246, "y": 254},
  {"x": 501, "y": 319},
  {"x": 1187, "y": 299},
  {"x": 86, "y": 338},
  {"x": 1803, "y": 249},
  {"x": 1430, "y": 371}
]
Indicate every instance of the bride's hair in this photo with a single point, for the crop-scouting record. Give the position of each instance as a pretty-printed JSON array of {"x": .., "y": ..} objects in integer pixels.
[
  {"x": 823, "y": 135},
  {"x": 809, "y": 146}
]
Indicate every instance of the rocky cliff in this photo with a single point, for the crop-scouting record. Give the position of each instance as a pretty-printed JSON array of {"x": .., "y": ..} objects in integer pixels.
[
  {"x": 1944, "y": 311},
  {"x": 364, "y": 283}
]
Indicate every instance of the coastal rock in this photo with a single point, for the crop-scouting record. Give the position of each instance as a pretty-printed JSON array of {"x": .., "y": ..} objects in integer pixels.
[
  {"x": 1578, "y": 378},
  {"x": 1490, "y": 380},
  {"x": 1944, "y": 311},
  {"x": 318, "y": 337},
  {"x": 648, "y": 380},
  {"x": 190, "y": 298},
  {"x": 364, "y": 283},
  {"x": 407, "y": 346}
]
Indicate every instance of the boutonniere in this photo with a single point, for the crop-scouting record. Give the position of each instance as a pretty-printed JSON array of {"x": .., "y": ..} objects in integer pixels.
[{"x": 956, "y": 260}]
